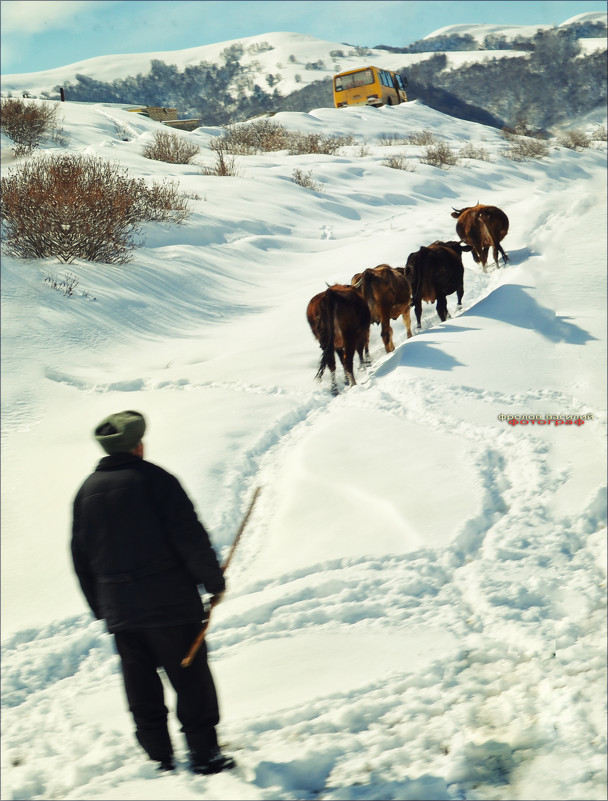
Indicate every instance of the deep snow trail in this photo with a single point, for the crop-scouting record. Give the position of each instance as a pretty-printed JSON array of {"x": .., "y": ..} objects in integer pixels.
[
  {"x": 456, "y": 623},
  {"x": 417, "y": 607}
]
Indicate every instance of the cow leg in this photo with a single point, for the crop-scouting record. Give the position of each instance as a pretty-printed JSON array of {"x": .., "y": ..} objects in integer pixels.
[
  {"x": 363, "y": 349},
  {"x": 504, "y": 255},
  {"x": 367, "y": 359},
  {"x": 442, "y": 308},
  {"x": 418, "y": 310},
  {"x": 407, "y": 322},
  {"x": 363, "y": 353},
  {"x": 332, "y": 367},
  {"x": 348, "y": 356},
  {"x": 334, "y": 383},
  {"x": 328, "y": 360},
  {"x": 340, "y": 352},
  {"x": 387, "y": 335},
  {"x": 484, "y": 258}
]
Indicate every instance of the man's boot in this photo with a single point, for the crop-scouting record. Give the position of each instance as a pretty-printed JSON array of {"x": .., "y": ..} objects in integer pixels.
[{"x": 214, "y": 762}]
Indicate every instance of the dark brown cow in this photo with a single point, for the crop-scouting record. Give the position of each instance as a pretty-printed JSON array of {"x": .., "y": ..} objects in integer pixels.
[
  {"x": 340, "y": 320},
  {"x": 482, "y": 227},
  {"x": 388, "y": 295},
  {"x": 435, "y": 272}
]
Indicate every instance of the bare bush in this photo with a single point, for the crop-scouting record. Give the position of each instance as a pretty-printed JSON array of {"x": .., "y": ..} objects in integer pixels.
[
  {"x": 360, "y": 50},
  {"x": 420, "y": 138},
  {"x": 168, "y": 146},
  {"x": 123, "y": 131},
  {"x": 440, "y": 155},
  {"x": 471, "y": 151},
  {"x": 80, "y": 206},
  {"x": 524, "y": 142},
  {"x": 391, "y": 139},
  {"x": 224, "y": 164},
  {"x": 398, "y": 162},
  {"x": 260, "y": 47},
  {"x": 574, "y": 140},
  {"x": 521, "y": 128},
  {"x": 522, "y": 148},
  {"x": 260, "y": 136},
  {"x": 162, "y": 202},
  {"x": 306, "y": 180},
  {"x": 27, "y": 123},
  {"x": 59, "y": 136},
  {"x": 300, "y": 144},
  {"x": 265, "y": 135},
  {"x": 599, "y": 134},
  {"x": 67, "y": 286}
]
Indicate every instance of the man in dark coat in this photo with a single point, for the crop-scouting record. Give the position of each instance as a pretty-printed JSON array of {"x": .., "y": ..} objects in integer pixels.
[{"x": 142, "y": 558}]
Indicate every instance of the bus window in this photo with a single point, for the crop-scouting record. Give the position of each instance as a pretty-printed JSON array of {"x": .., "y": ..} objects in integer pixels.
[
  {"x": 363, "y": 78},
  {"x": 353, "y": 79}
]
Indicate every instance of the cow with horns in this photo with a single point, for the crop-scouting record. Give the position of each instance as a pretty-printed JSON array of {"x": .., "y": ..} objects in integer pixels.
[
  {"x": 340, "y": 319},
  {"x": 388, "y": 295},
  {"x": 482, "y": 227},
  {"x": 435, "y": 272}
]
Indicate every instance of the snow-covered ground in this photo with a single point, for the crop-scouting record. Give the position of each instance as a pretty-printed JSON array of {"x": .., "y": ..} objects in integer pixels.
[{"x": 417, "y": 606}]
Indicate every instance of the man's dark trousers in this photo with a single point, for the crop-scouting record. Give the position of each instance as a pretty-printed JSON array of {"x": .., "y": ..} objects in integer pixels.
[{"x": 142, "y": 652}]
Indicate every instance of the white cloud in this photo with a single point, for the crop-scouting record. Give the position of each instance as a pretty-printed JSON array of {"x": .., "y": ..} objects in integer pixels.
[{"x": 31, "y": 16}]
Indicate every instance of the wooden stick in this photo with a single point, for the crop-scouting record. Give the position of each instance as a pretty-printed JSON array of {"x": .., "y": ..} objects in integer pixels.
[{"x": 189, "y": 658}]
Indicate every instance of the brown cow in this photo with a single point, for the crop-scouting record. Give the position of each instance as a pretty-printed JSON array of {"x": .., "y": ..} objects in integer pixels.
[
  {"x": 388, "y": 295},
  {"x": 340, "y": 320},
  {"x": 435, "y": 272},
  {"x": 482, "y": 227}
]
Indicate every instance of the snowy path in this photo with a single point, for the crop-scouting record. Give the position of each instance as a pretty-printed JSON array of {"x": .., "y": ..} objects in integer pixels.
[{"x": 417, "y": 607}]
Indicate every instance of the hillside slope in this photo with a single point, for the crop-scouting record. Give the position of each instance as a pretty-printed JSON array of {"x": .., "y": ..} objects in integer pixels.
[{"x": 417, "y": 607}]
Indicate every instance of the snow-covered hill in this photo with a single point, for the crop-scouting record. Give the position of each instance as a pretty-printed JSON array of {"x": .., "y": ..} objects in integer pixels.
[
  {"x": 281, "y": 54},
  {"x": 417, "y": 607},
  {"x": 294, "y": 60},
  {"x": 480, "y": 30}
]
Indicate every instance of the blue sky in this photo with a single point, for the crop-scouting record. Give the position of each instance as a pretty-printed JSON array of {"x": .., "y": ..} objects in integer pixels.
[{"x": 43, "y": 34}]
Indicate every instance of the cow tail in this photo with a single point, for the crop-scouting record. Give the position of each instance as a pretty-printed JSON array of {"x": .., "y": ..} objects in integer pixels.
[
  {"x": 496, "y": 243},
  {"x": 366, "y": 287},
  {"x": 486, "y": 231},
  {"x": 326, "y": 332},
  {"x": 418, "y": 286}
]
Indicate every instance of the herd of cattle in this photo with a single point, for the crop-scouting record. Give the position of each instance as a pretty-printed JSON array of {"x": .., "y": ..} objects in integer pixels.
[{"x": 340, "y": 317}]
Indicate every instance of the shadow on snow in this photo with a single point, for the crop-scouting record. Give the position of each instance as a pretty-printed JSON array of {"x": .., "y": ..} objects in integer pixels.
[{"x": 511, "y": 304}]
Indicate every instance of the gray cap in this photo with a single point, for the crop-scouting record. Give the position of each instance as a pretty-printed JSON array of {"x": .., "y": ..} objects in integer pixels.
[{"x": 121, "y": 432}]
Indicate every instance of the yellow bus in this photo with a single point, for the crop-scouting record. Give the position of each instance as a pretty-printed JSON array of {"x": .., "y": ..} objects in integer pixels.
[{"x": 369, "y": 86}]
